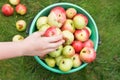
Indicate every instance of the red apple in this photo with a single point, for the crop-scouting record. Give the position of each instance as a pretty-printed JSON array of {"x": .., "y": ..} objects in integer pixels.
[
  {"x": 14, "y": 2},
  {"x": 82, "y": 34},
  {"x": 52, "y": 31},
  {"x": 88, "y": 54},
  {"x": 80, "y": 21},
  {"x": 88, "y": 43},
  {"x": 21, "y": 9},
  {"x": 77, "y": 45},
  {"x": 7, "y": 10},
  {"x": 71, "y": 12},
  {"x": 68, "y": 25},
  {"x": 57, "y": 17}
]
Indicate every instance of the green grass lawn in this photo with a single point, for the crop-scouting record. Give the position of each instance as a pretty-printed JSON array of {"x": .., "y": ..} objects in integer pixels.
[{"x": 106, "y": 14}]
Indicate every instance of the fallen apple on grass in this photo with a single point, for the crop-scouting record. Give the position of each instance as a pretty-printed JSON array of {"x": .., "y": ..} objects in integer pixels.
[
  {"x": 14, "y": 2},
  {"x": 7, "y": 10},
  {"x": 21, "y": 9},
  {"x": 21, "y": 25},
  {"x": 17, "y": 38}
]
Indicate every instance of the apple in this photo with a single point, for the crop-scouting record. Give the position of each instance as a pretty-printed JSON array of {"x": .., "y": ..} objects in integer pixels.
[
  {"x": 44, "y": 27},
  {"x": 21, "y": 9},
  {"x": 68, "y": 37},
  {"x": 58, "y": 59},
  {"x": 57, "y": 17},
  {"x": 14, "y": 2},
  {"x": 7, "y": 10},
  {"x": 57, "y": 52},
  {"x": 71, "y": 12},
  {"x": 50, "y": 61},
  {"x": 41, "y": 20},
  {"x": 65, "y": 64},
  {"x": 20, "y": 25},
  {"x": 77, "y": 45},
  {"x": 76, "y": 60},
  {"x": 52, "y": 31},
  {"x": 80, "y": 21},
  {"x": 88, "y": 43},
  {"x": 68, "y": 51},
  {"x": 82, "y": 35},
  {"x": 90, "y": 32},
  {"x": 88, "y": 54},
  {"x": 68, "y": 25},
  {"x": 17, "y": 38}
]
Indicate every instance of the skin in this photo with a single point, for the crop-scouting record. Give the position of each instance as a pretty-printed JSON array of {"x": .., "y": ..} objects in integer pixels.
[{"x": 33, "y": 45}]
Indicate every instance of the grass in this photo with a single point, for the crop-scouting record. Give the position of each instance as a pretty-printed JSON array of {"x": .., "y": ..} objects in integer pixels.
[{"x": 106, "y": 66}]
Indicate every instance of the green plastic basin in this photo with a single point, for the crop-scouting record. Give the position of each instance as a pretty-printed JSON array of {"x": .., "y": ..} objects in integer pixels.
[{"x": 91, "y": 23}]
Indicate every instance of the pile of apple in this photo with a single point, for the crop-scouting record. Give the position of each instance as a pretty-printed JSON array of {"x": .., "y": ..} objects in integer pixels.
[
  {"x": 8, "y": 9},
  {"x": 78, "y": 47}
]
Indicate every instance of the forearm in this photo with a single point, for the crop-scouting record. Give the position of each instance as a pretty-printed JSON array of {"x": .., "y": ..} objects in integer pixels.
[{"x": 11, "y": 49}]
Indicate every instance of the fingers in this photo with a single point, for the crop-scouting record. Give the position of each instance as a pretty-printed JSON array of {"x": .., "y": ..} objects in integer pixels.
[
  {"x": 46, "y": 52},
  {"x": 54, "y": 38},
  {"x": 56, "y": 44}
]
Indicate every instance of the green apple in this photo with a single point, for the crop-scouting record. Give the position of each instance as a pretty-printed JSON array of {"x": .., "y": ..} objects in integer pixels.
[
  {"x": 50, "y": 61},
  {"x": 65, "y": 64},
  {"x": 17, "y": 38},
  {"x": 41, "y": 20},
  {"x": 76, "y": 60},
  {"x": 44, "y": 27},
  {"x": 58, "y": 59},
  {"x": 57, "y": 52},
  {"x": 80, "y": 21},
  {"x": 20, "y": 25},
  {"x": 14, "y": 2},
  {"x": 68, "y": 36},
  {"x": 68, "y": 51}
]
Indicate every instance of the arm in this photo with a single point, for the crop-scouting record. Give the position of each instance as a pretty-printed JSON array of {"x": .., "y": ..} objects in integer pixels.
[{"x": 33, "y": 45}]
